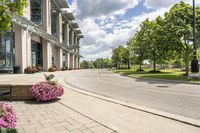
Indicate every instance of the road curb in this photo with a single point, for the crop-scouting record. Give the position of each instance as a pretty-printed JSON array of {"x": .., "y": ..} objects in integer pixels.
[
  {"x": 163, "y": 80},
  {"x": 178, "y": 118}
]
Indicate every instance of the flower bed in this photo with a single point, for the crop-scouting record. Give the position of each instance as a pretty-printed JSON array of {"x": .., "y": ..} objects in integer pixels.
[
  {"x": 52, "y": 69},
  {"x": 8, "y": 118},
  {"x": 30, "y": 70},
  {"x": 47, "y": 90}
]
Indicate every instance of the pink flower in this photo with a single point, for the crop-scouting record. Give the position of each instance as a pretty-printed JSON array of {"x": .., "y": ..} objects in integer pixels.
[
  {"x": 8, "y": 118},
  {"x": 46, "y": 91}
]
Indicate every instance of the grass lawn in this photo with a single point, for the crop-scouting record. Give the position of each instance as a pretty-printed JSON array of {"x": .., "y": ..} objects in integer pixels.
[{"x": 165, "y": 74}]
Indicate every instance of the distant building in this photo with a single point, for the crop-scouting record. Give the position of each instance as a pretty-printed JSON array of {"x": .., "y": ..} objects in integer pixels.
[{"x": 46, "y": 35}]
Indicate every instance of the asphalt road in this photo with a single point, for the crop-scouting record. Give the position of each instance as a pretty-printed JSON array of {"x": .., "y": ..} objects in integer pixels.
[{"x": 176, "y": 98}]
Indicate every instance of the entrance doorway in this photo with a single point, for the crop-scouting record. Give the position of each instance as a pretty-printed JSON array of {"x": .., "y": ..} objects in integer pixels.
[{"x": 36, "y": 54}]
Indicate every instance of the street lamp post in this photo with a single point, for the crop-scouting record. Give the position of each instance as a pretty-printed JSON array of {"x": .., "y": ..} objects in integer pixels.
[{"x": 195, "y": 63}]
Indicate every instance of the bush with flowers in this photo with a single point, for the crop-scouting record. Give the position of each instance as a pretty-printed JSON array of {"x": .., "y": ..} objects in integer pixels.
[
  {"x": 8, "y": 118},
  {"x": 47, "y": 90}
]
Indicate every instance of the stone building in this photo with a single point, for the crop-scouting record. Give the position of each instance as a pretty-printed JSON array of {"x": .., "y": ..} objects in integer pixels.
[{"x": 46, "y": 35}]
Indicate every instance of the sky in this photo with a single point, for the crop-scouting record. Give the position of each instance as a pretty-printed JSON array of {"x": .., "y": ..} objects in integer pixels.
[{"x": 106, "y": 24}]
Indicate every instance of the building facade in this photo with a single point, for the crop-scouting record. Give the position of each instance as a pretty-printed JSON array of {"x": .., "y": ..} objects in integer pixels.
[{"x": 46, "y": 35}]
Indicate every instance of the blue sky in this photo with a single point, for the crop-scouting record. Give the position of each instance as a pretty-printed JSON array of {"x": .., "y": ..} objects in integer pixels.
[{"x": 106, "y": 24}]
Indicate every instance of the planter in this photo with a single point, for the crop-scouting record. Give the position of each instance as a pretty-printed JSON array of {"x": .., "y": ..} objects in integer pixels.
[
  {"x": 16, "y": 69},
  {"x": 30, "y": 70},
  {"x": 52, "y": 69}
]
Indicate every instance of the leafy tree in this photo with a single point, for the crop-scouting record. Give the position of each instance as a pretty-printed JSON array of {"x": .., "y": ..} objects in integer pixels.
[
  {"x": 120, "y": 57},
  {"x": 8, "y": 8},
  {"x": 116, "y": 57},
  {"x": 125, "y": 55},
  {"x": 137, "y": 49},
  {"x": 85, "y": 64},
  {"x": 153, "y": 40},
  {"x": 99, "y": 63},
  {"x": 179, "y": 22},
  {"x": 108, "y": 63}
]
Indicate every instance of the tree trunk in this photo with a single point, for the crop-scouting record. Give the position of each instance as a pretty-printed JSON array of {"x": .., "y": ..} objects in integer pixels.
[
  {"x": 187, "y": 64},
  {"x": 129, "y": 65},
  {"x": 187, "y": 59},
  {"x": 154, "y": 61},
  {"x": 187, "y": 69},
  {"x": 140, "y": 66},
  {"x": 154, "y": 65}
]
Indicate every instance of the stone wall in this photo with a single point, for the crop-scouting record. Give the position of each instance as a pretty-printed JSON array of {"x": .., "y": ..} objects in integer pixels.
[{"x": 19, "y": 92}]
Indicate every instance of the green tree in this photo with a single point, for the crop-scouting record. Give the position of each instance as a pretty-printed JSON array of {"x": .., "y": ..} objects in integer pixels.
[
  {"x": 152, "y": 41},
  {"x": 108, "y": 63},
  {"x": 120, "y": 57},
  {"x": 116, "y": 57},
  {"x": 8, "y": 8},
  {"x": 99, "y": 63},
  {"x": 179, "y": 22},
  {"x": 137, "y": 49},
  {"x": 125, "y": 53},
  {"x": 85, "y": 64}
]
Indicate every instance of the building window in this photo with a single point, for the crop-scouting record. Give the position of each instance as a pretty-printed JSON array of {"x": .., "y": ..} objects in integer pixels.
[
  {"x": 63, "y": 32},
  {"x": 36, "y": 11},
  {"x": 53, "y": 24},
  {"x": 6, "y": 51}
]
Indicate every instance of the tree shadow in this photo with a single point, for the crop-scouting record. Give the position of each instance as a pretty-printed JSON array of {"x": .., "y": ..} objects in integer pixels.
[{"x": 160, "y": 82}]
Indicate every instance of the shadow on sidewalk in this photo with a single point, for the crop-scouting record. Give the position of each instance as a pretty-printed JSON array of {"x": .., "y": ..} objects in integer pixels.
[{"x": 34, "y": 102}]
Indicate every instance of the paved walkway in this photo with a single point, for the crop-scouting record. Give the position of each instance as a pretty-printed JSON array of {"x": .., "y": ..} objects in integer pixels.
[
  {"x": 54, "y": 118},
  {"x": 122, "y": 118},
  {"x": 64, "y": 116}
]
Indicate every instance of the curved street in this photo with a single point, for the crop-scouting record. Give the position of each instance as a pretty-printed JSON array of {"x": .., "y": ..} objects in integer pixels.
[{"x": 176, "y": 98}]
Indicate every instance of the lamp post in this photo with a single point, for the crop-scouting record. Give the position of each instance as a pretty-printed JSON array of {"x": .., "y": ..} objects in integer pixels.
[{"x": 195, "y": 63}]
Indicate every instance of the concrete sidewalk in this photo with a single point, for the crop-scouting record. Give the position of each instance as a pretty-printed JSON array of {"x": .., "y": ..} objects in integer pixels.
[
  {"x": 54, "y": 117},
  {"x": 121, "y": 118},
  {"x": 105, "y": 116}
]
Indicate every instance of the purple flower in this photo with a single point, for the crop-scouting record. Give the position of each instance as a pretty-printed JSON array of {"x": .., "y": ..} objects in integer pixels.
[
  {"x": 8, "y": 118},
  {"x": 46, "y": 91}
]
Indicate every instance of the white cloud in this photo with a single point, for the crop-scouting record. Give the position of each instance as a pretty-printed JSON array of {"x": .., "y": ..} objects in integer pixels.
[
  {"x": 98, "y": 42},
  {"x": 158, "y": 4},
  {"x": 97, "y": 8},
  {"x": 101, "y": 27}
]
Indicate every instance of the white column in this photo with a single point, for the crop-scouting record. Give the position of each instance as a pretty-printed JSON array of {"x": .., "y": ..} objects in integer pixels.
[
  {"x": 28, "y": 50},
  {"x": 47, "y": 61},
  {"x": 66, "y": 42},
  {"x": 22, "y": 47},
  {"x": 71, "y": 62},
  {"x": 67, "y": 33},
  {"x": 67, "y": 60},
  {"x": 47, "y": 16},
  {"x": 78, "y": 63},
  {"x": 46, "y": 46},
  {"x": 27, "y": 11},
  {"x": 77, "y": 51},
  {"x": 59, "y": 55},
  {"x": 27, "y": 15},
  {"x": 75, "y": 43},
  {"x": 59, "y": 25},
  {"x": 59, "y": 51},
  {"x": 75, "y": 60},
  {"x": 71, "y": 55}
]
